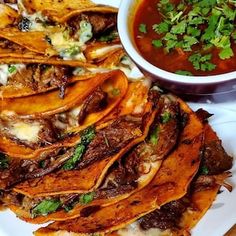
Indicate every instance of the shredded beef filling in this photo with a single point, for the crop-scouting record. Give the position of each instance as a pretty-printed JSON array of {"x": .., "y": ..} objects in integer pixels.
[
  {"x": 26, "y": 169},
  {"x": 168, "y": 217},
  {"x": 100, "y": 22},
  {"x": 39, "y": 77},
  {"x": 215, "y": 158},
  {"x": 12, "y": 47},
  {"x": 94, "y": 102},
  {"x": 111, "y": 140}
]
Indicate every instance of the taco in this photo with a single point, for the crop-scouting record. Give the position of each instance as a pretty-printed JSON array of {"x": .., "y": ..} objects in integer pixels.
[
  {"x": 130, "y": 173},
  {"x": 88, "y": 36},
  {"x": 34, "y": 127},
  {"x": 170, "y": 183},
  {"x": 25, "y": 77},
  {"x": 178, "y": 217}
]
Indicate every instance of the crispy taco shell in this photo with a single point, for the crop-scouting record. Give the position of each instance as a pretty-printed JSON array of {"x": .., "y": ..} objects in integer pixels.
[
  {"x": 169, "y": 184},
  {"x": 93, "y": 174},
  {"x": 52, "y": 8},
  {"x": 33, "y": 41},
  {"x": 74, "y": 96},
  {"x": 202, "y": 193},
  {"x": 8, "y": 16},
  {"x": 161, "y": 149}
]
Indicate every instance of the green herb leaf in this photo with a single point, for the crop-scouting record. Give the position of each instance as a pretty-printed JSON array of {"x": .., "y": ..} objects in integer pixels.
[
  {"x": 183, "y": 72},
  {"x": 45, "y": 207},
  {"x": 179, "y": 28},
  {"x": 70, "y": 164},
  {"x": 70, "y": 52},
  {"x": 204, "y": 170},
  {"x": 86, "y": 198},
  {"x": 154, "y": 135},
  {"x": 157, "y": 43},
  {"x": 202, "y": 62},
  {"x": 4, "y": 162},
  {"x": 163, "y": 27},
  {"x": 88, "y": 135},
  {"x": 143, "y": 28},
  {"x": 165, "y": 117},
  {"x": 68, "y": 208},
  {"x": 12, "y": 69},
  {"x": 226, "y": 53},
  {"x": 108, "y": 37}
]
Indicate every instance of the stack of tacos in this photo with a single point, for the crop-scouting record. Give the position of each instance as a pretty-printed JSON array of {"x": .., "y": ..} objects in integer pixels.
[{"x": 85, "y": 145}]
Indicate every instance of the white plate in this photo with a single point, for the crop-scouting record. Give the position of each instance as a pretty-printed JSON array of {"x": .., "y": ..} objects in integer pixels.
[{"x": 222, "y": 214}]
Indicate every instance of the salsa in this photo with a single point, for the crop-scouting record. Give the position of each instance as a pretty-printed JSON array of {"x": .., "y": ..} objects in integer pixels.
[{"x": 187, "y": 37}]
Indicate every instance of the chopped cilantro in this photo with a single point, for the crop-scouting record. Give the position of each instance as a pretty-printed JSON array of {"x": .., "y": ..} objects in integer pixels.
[
  {"x": 206, "y": 23},
  {"x": 86, "y": 198},
  {"x": 165, "y": 117},
  {"x": 12, "y": 69},
  {"x": 86, "y": 137},
  {"x": 183, "y": 72},
  {"x": 45, "y": 207},
  {"x": 163, "y": 27},
  {"x": 79, "y": 151},
  {"x": 202, "y": 62},
  {"x": 154, "y": 135},
  {"x": 157, "y": 43},
  {"x": 108, "y": 37},
  {"x": 4, "y": 162},
  {"x": 143, "y": 28},
  {"x": 179, "y": 28},
  {"x": 68, "y": 208},
  {"x": 226, "y": 53},
  {"x": 204, "y": 170},
  {"x": 70, "y": 52}
]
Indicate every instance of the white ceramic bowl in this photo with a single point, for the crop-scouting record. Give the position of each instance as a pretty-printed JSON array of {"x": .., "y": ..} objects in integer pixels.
[{"x": 216, "y": 84}]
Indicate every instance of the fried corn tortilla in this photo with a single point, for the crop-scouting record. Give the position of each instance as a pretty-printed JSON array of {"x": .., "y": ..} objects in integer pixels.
[
  {"x": 28, "y": 129},
  {"x": 162, "y": 189},
  {"x": 179, "y": 217},
  {"x": 88, "y": 36},
  {"x": 144, "y": 165},
  {"x": 95, "y": 161},
  {"x": 52, "y": 8},
  {"x": 8, "y": 16}
]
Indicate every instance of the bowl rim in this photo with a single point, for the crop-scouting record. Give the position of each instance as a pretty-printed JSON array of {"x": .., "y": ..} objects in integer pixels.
[{"x": 125, "y": 37}]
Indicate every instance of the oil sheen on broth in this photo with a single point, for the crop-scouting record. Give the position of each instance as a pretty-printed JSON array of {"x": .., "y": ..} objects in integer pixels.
[{"x": 188, "y": 37}]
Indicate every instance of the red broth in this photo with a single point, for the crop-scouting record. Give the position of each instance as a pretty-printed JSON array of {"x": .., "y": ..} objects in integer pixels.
[{"x": 174, "y": 60}]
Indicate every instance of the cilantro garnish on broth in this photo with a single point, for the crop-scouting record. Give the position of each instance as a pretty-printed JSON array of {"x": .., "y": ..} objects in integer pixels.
[{"x": 199, "y": 30}]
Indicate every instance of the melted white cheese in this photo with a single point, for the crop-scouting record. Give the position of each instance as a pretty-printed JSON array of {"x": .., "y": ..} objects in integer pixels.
[
  {"x": 3, "y": 74},
  {"x": 26, "y": 131},
  {"x": 134, "y": 229},
  {"x": 99, "y": 52},
  {"x": 37, "y": 21},
  {"x": 5, "y": 71}
]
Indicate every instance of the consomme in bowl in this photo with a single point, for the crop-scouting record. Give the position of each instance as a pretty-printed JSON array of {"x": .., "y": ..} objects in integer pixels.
[{"x": 187, "y": 37}]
